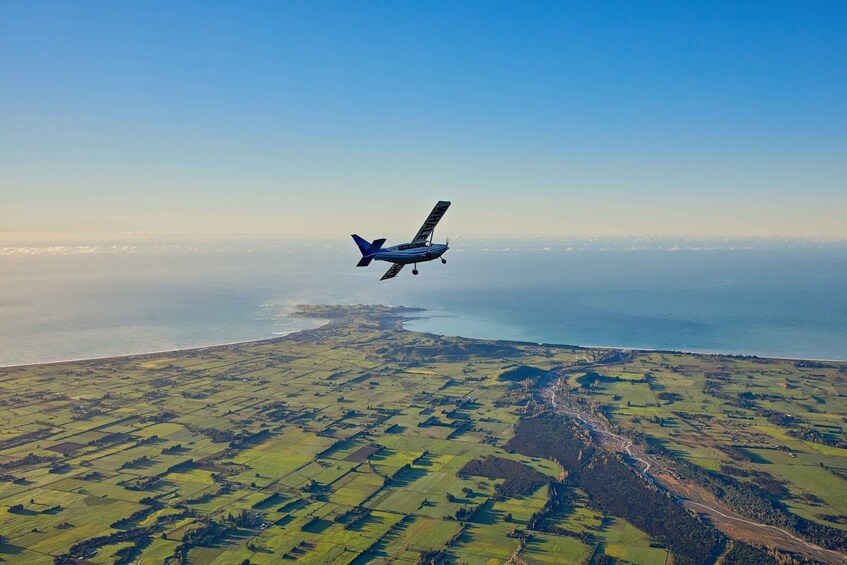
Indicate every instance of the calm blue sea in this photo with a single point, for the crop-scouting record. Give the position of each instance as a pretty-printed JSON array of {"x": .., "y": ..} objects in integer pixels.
[{"x": 61, "y": 300}]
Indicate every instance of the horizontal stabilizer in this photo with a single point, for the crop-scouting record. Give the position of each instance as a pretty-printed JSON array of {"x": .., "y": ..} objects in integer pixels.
[{"x": 368, "y": 250}]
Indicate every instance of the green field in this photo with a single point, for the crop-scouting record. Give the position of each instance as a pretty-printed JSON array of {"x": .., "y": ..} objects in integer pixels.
[
  {"x": 344, "y": 444},
  {"x": 744, "y": 417}
]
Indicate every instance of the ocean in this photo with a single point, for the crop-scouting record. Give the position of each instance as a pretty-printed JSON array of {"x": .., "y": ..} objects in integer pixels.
[{"x": 71, "y": 299}]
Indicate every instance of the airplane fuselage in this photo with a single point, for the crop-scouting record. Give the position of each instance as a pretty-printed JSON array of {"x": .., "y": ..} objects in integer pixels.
[
  {"x": 408, "y": 253},
  {"x": 420, "y": 250}
]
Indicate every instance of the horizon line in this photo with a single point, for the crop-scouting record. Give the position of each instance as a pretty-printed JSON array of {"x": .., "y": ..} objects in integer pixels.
[{"x": 301, "y": 235}]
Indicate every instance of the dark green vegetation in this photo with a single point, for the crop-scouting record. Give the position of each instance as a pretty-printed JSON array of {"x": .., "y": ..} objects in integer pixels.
[
  {"x": 763, "y": 436},
  {"x": 519, "y": 479},
  {"x": 615, "y": 487},
  {"x": 360, "y": 442}
]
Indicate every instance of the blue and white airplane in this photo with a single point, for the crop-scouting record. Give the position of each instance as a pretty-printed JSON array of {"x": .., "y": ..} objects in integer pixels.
[{"x": 420, "y": 250}]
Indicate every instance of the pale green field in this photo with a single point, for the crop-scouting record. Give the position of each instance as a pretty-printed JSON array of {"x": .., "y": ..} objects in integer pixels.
[{"x": 717, "y": 430}]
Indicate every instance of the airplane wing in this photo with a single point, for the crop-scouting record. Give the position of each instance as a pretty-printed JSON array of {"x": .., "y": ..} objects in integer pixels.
[
  {"x": 431, "y": 221},
  {"x": 392, "y": 272}
]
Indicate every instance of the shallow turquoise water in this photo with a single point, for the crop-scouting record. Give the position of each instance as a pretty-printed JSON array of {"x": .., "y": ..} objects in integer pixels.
[{"x": 770, "y": 298}]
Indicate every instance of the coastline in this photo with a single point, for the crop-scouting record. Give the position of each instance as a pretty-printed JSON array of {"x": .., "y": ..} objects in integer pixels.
[
  {"x": 639, "y": 348},
  {"x": 406, "y": 319},
  {"x": 158, "y": 352}
]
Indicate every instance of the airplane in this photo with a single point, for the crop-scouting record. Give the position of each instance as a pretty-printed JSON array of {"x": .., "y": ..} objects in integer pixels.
[{"x": 419, "y": 250}]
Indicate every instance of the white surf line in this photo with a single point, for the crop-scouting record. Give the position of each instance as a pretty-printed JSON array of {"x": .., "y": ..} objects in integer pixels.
[{"x": 175, "y": 350}]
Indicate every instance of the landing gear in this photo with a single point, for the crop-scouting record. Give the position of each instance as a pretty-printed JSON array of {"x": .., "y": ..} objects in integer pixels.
[
  {"x": 414, "y": 271},
  {"x": 443, "y": 261}
]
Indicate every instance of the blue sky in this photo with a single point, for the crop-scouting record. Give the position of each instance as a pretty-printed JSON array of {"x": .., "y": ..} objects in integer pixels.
[{"x": 672, "y": 118}]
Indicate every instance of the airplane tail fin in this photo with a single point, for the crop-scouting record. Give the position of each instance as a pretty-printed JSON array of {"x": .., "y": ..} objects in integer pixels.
[{"x": 368, "y": 249}]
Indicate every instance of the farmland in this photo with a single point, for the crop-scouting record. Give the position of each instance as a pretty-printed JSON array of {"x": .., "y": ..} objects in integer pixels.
[{"x": 362, "y": 442}]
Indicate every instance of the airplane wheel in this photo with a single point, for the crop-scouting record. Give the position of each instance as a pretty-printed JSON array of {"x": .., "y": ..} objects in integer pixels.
[
  {"x": 414, "y": 271},
  {"x": 443, "y": 261}
]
